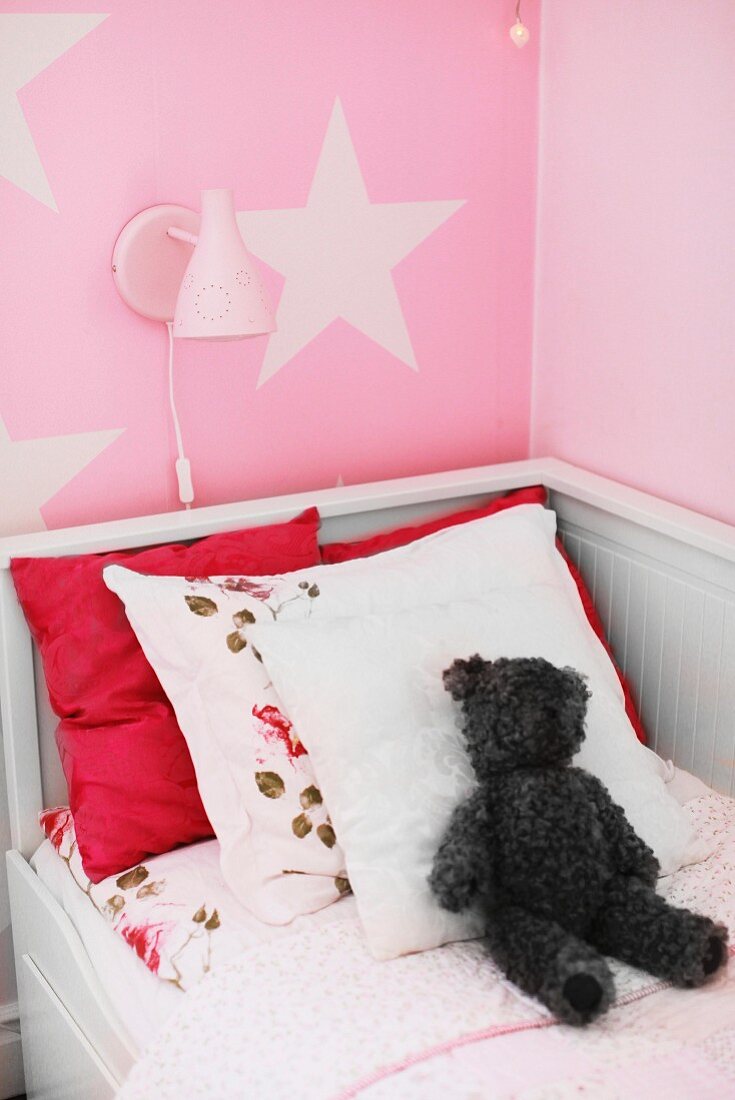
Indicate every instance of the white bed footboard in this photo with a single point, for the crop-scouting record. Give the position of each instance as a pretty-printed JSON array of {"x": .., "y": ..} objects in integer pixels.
[{"x": 74, "y": 1046}]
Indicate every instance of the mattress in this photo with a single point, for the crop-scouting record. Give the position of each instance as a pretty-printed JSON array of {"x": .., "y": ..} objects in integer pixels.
[
  {"x": 186, "y": 922},
  {"x": 319, "y": 1016}
]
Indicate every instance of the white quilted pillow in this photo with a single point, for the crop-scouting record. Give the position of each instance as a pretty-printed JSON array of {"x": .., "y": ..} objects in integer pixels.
[{"x": 368, "y": 699}]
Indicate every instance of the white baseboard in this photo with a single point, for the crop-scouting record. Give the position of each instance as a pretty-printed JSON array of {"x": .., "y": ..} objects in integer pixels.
[{"x": 11, "y": 1064}]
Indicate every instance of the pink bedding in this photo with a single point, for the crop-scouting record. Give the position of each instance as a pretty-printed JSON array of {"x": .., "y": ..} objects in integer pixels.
[{"x": 315, "y": 1015}]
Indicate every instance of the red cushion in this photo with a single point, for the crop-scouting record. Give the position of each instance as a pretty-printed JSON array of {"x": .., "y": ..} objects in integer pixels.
[
  {"x": 389, "y": 540},
  {"x": 596, "y": 623},
  {"x": 132, "y": 788}
]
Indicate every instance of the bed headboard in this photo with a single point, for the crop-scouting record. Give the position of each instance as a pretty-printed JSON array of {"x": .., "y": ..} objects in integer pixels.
[{"x": 663, "y": 579}]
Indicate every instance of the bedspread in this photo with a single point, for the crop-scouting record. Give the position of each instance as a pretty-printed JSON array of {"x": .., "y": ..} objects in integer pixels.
[{"x": 315, "y": 1015}]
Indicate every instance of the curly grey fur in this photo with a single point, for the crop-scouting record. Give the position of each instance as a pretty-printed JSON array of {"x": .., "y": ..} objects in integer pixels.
[{"x": 551, "y": 860}]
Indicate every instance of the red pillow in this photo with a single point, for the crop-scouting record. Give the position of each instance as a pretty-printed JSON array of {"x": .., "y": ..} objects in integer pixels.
[
  {"x": 389, "y": 540},
  {"x": 132, "y": 787},
  {"x": 596, "y": 623}
]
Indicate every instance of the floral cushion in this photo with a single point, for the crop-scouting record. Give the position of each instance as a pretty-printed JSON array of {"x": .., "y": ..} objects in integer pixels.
[
  {"x": 279, "y": 854},
  {"x": 174, "y": 912},
  {"x": 148, "y": 906}
]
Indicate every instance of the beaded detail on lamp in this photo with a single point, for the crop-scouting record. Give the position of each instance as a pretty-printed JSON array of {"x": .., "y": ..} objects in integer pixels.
[{"x": 222, "y": 296}]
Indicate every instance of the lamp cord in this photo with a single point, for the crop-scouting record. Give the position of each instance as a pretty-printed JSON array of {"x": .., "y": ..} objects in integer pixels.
[{"x": 183, "y": 469}]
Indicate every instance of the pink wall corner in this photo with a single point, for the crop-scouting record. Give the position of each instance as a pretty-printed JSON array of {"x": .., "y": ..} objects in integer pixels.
[
  {"x": 169, "y": 96},
  {"x": 635, "y": 317}
]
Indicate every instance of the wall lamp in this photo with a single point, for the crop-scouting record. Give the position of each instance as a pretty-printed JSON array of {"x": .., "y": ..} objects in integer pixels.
[{"x": 196, "y": 275}]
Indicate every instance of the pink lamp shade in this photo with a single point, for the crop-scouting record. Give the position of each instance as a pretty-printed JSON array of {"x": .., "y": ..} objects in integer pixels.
[{"x": 222, "y": 296}]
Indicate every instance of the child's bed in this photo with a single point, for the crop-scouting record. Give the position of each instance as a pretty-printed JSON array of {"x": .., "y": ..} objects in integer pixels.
[{"x": 663, "y": 579}]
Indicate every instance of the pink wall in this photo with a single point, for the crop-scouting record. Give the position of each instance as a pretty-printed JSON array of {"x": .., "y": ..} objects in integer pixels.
[
  {"x": 634, "y": 371},
  {"x": 167, "y": 96}
]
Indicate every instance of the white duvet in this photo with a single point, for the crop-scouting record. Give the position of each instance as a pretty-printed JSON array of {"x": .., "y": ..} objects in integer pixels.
[{"x": 314, "y": 1015}]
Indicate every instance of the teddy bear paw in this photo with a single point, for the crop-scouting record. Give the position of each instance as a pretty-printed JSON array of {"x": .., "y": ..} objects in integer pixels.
[
  {"x": 704, "y": 956},
  {"x": 582, "y": 987},
  {"x": 583, "y": 992},
  {"x": 714, "y": 955}
]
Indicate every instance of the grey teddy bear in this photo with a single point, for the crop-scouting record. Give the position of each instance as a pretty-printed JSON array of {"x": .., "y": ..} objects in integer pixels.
[{"x": 551, "y": 861}]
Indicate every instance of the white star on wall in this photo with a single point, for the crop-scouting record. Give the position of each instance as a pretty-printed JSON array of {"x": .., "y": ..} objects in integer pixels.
[
  {"x": 337, "y": 252},
  {"x": 34, "y": 470},
  {"x": 28, "y": 44}
]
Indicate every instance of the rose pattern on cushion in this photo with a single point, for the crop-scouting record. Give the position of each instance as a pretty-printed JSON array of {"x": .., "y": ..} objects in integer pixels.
[
  {"x": 277, "y": 730},
  {"x": 270, "y": 723},
  {"x": 274, "y": 727},
  {"x": 167, "y": 947},
  {"x": 237, "y": 639},
  {"x": 253, "y": 588},
  {"x": 145, "y": 939},
  {"x": 56, "y": 823}
]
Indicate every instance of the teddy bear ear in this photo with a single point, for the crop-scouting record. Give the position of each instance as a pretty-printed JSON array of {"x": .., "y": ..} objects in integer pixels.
[
  {"x": 462, "y": 677},
  {"x": 578, "y": 683}
]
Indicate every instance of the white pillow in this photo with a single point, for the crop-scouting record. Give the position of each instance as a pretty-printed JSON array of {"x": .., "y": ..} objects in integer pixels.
[{"x": 368, "y": 699}]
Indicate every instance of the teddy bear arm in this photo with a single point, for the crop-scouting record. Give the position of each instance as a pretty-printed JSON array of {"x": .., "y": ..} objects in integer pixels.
[
  {"x": 632, "y": 855},
  {"x": 461, "y": 867}
]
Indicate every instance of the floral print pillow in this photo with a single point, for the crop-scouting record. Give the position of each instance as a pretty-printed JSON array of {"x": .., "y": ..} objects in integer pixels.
[
  {"x": 176, "y": 940},
  {"x": 279, "y": 851}
]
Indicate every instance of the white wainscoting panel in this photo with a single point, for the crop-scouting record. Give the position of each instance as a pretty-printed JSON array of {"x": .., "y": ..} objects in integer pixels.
[{"x": 673, "y": 635}]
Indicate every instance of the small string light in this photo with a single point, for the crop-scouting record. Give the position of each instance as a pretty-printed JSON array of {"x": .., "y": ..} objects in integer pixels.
[{"x": 519, "y": 31}]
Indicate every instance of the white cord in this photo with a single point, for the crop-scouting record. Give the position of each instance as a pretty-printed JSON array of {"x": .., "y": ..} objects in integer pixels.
[{"x": 183, "y": 467}]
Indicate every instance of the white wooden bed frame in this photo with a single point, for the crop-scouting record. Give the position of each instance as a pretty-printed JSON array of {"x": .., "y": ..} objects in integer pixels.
[{"x": 663, "y": 579}]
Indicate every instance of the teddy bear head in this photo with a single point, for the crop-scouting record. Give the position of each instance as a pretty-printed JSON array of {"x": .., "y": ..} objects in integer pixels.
[{"x": 518, "y": 712}]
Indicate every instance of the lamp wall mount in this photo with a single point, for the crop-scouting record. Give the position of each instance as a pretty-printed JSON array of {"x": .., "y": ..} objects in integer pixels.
[{"x": 148, "y": 262}]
